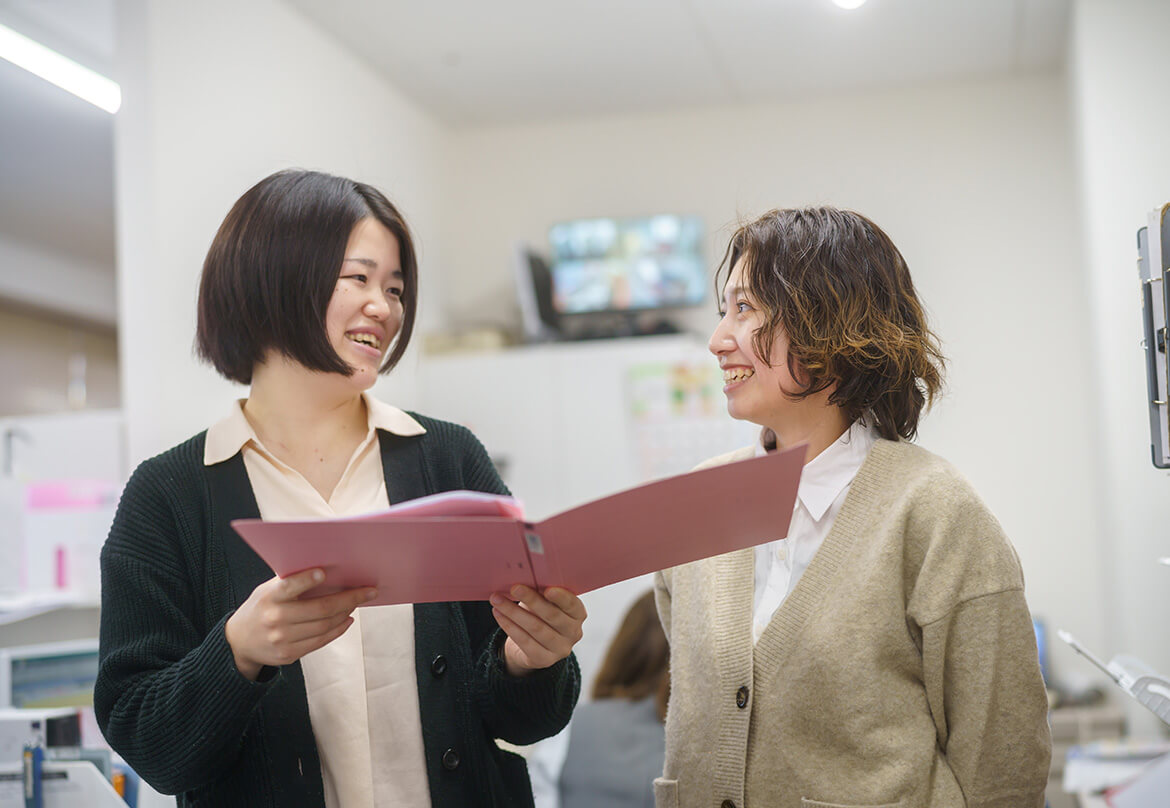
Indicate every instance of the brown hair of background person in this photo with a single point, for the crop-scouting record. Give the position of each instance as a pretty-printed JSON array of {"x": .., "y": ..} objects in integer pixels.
[
  {"x": 834, "y": 283},
  {"x": 272, "y": 268},
  {"x": 637, "y": 664}
]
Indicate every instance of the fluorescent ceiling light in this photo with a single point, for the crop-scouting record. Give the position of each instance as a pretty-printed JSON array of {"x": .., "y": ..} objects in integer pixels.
[
  {"x": 65, "y": 73},
  {"x": 849, "y": 4}
]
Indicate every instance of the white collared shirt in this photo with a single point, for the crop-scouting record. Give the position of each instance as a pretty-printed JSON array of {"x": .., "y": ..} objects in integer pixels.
[
  {"x": 824, "y": 483},
  {"x": 362, "y": 689}
]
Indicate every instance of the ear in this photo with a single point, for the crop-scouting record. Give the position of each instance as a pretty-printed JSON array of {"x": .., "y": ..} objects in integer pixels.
[{"x": 798, "y": 372}]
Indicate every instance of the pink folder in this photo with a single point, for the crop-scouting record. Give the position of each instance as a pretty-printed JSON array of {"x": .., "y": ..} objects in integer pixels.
[{"x": 466, "y": 545}]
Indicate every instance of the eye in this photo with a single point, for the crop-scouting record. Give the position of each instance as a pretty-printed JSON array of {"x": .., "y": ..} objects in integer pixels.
[
  {"x": 742, "y": 307},
  {"x": 356, "y": 277},
  {"x": 394, "y": 291}
]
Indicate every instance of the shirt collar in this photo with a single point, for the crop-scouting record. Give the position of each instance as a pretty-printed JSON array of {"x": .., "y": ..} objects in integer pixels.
[
  {"x": 826, "y": 475},
  {"x": 226, "y": 438}
]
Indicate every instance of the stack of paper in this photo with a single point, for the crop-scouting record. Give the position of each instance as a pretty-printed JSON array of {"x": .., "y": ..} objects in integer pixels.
[
  {"x": 1098, "y": 766},
  {"x": 1149, "y": 789}
]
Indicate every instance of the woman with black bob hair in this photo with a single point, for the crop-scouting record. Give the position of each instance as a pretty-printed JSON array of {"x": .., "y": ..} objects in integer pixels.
[
  {"x": 217, "y": 682},
  {"x": 880, "y": 654}
]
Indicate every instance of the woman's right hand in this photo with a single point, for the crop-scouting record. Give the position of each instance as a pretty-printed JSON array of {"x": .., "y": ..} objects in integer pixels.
[{"x": 272, "y": 627}]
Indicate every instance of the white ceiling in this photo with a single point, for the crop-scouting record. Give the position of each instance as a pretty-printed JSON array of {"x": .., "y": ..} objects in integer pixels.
[
  {"x": 57, "y": 151},
  {"x": 475, "y": 63},
  {"x": 471, "y": 62}
]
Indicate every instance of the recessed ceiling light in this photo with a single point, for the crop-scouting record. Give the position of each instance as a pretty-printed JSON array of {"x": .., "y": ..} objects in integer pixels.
[
  {"x": 849, "y": 4},
  {"x": 57, "y": 69}
]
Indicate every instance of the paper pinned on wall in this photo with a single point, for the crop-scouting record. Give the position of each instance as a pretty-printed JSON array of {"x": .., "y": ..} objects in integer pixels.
[
  {"x": 65, "y": 524},
  {"x": 678, "y": 416}
]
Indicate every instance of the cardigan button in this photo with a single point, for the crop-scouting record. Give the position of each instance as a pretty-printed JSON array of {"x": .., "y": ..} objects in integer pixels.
[
  {"x": 727, "y": 804},
  {"x": 450, "y": 760},
  {"x": 438, "y": 666},
  {"x": 741, "y": 700}
]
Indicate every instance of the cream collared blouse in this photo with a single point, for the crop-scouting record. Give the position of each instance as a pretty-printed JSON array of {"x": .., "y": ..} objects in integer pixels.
[{"x": 362, "y": 691}]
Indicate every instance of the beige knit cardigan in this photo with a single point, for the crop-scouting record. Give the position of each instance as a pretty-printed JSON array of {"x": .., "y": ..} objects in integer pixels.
[{"x": 901, "y": 671}]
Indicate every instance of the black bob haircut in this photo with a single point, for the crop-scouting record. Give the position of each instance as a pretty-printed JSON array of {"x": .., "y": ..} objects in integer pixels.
[{"x": 272, "y": 268}]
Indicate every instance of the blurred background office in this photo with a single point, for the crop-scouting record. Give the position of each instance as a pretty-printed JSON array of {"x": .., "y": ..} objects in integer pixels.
[
  {"x": 615, "y": 744},
  {"x": 1011, "y": 147}
]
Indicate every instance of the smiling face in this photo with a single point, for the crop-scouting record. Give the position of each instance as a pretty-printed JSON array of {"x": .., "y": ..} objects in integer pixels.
[
  {"x": 365, "y": 311},
  {"x": 755, "y": 392}
]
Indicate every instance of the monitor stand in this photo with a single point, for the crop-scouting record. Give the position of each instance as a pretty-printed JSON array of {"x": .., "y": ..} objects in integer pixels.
[{"x": 615, "y": 325}]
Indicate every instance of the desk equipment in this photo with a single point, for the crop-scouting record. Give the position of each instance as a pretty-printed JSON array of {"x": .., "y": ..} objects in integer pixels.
[
  {"x": 64, "y": 784},
  {"x": 1153, "y": 269},
  {"x": 51, "y": 730},
  {"x": 31, "y": 762},
  {"x": 1133, "y": 676}
]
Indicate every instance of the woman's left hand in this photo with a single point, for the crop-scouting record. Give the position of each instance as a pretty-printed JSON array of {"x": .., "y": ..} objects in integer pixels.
[{"x": 541, "y": 629}]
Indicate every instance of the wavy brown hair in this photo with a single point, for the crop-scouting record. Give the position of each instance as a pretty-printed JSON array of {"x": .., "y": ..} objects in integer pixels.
[
  {"x": 834, "y": 283},
  {"x": 637, "y": 664}
]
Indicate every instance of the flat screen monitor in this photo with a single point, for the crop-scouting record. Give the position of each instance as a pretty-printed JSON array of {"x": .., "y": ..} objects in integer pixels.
[
  {"x": 59, "y": 674},
  {"x": 619, "y": 265}
]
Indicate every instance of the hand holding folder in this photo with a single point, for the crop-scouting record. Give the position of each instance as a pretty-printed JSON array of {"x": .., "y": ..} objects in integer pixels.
[{"x": 466, "y": 545}]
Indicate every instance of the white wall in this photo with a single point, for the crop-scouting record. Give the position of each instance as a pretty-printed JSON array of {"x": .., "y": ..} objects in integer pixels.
[
  {"x": 35, "y": 276},
  {"x": 975, "y": 183},
  {"x": 1119, "y": 64},
  {"x": 216, "y": 96},
  {"x": 38, "y": 360}
]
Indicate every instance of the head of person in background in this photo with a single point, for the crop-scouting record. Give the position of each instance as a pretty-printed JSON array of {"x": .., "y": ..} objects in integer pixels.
[
  {"x": 637, "y": 664},
  {"x": 311, "y": 275},
  {"x": 820, "y": 325}
]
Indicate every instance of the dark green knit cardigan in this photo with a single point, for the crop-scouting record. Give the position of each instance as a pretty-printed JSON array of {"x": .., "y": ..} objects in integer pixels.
[{"x": 170, "y": 700}]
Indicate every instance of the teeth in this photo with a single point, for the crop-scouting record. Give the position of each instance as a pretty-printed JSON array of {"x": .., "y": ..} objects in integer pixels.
[
  {"x": 366, "y": 339},
  {"x": 737, "y": 374}
]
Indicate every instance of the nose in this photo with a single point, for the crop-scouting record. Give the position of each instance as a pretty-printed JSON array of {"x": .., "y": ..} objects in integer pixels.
[
  {"x": 377, "y": 307},
  {"x": 721, "y": 341}
]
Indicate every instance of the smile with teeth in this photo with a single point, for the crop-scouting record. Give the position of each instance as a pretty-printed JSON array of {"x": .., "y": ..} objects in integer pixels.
[
  {"x": 737, "y": 374},
  {"x": 363, "y": 338}
]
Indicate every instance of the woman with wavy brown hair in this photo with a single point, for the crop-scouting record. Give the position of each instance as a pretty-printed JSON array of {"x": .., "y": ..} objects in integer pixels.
[{"x": 881, "y": 653}]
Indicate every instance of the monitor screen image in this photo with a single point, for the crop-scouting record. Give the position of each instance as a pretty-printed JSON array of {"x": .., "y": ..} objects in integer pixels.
[
  {"x": 628, "y": 264},
  {"x": 49, "y": 675}
]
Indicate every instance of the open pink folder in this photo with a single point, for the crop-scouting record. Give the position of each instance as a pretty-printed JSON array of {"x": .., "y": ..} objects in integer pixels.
[{"x": 464, "y": 545}]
